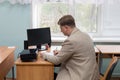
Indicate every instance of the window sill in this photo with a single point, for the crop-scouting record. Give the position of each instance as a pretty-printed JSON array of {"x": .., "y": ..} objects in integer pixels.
[
  {"x": 97, "y": 39},
  {"x": 109, "y": 39}
]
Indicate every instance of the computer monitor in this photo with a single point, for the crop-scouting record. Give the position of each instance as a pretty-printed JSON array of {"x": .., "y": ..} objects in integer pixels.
[{"x": 39, "y": 36}]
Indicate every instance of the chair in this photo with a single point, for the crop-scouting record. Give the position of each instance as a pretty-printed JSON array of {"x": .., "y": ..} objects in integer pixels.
[{"x": 110, "y": 69}]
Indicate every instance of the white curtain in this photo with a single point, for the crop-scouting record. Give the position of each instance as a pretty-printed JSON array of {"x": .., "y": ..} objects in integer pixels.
[
  {"x": 80, "y": 1},
  {"x": 17, "y": 1}
]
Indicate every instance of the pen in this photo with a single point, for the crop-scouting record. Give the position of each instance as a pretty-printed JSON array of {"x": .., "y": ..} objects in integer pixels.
[{"x": 55, "y": 51}]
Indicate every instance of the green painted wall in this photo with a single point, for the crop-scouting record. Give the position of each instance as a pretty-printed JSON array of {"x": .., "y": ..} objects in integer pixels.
[{"x": 14, "y": 20}]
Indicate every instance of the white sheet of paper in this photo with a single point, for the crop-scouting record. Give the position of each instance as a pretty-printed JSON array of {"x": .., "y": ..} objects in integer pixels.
[
  {"x": 49, "y": 53},
  {"x": 11, "y": 46}
]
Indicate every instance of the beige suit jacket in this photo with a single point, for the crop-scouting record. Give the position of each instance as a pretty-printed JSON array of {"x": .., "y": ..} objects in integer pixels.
[{"x": 77, "y": 57}]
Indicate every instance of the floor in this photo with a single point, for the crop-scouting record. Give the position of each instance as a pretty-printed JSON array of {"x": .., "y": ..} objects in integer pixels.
[
  {"x": 10, "y": 79},
  {"x": 115, "y": 79},
  {"x": 111, "y": 79}
]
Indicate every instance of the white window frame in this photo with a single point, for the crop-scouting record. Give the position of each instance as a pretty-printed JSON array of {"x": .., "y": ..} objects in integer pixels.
[{"x": 100, "y": 36}]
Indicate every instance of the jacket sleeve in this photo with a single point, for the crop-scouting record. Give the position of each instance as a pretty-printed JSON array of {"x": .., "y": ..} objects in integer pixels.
[{"x": 65, "y": 53}]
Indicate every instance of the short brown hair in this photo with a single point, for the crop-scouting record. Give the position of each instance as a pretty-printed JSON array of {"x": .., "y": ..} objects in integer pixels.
[{"x": 67, "y": 20}]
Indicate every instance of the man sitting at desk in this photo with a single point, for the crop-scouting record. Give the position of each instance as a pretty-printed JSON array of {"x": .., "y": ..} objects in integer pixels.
[{"x": 77, "y": 55}]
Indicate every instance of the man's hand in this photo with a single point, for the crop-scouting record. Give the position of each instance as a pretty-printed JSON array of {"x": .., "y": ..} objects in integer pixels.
[
  {"x": 40, "y": 54},
  {"x": 55, "y": 52}
]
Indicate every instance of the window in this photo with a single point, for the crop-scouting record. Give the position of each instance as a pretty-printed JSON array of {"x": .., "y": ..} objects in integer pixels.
[
  {"x": 110, "y": 17},
  {"x": 48, "y": 13},
  {"x": 98, "y": 19}
]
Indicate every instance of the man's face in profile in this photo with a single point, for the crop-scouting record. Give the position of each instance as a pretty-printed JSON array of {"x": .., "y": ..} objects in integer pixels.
[{"x": 64, "y": 30}]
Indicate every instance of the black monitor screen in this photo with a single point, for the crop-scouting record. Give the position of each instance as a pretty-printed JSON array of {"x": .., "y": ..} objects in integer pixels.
[{"x": 39, "y": 36}]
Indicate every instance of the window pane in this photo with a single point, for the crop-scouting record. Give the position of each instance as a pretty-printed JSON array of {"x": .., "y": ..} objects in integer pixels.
[
  {"x": 50, "y": 13},
  {"x": 111, "y": 15},
  {"x": 85, "y": 15}
]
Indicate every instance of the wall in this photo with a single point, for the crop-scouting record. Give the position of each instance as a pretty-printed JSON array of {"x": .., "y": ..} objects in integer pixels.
[{"x": 14, "y": 20}]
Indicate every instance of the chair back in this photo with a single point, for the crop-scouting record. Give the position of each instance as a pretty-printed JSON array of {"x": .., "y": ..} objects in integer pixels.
[{"x": 111, "y": 68}]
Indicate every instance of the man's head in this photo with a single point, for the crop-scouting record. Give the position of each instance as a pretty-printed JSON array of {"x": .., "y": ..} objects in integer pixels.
[{"x": 67, "y": 24}]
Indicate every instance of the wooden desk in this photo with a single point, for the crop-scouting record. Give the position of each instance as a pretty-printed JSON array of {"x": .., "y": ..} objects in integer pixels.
[
  {"x": 97, "y": 52},
  {"x": 38, "y": 70},
  {"x": 109, "y": 50},
  {"x": 6, "y": 60}
]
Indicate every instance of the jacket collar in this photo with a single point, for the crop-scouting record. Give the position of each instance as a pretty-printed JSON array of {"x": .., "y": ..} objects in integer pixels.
[{"x": 74, "y": 30}]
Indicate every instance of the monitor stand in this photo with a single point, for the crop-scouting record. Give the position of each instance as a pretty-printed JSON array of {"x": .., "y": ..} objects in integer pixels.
[{"x": 41, "y": 47}]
